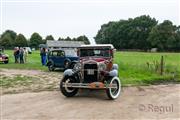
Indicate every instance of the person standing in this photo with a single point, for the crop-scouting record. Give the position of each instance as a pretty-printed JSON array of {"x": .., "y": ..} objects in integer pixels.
[
  {"x": 25, "y": 55},
  {"x": 21, "y": 55},
  {"x": 43, "y": 56},
  {"x": 15, "y": 58},
  {"x": 16, "y": 55}
]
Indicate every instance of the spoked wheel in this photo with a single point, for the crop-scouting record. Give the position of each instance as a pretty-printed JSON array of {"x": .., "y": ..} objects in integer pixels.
[
  {"x": 113, "y": 93},
  {"x": 51, "y": 67},
  {"x": 68, "y": 91}
]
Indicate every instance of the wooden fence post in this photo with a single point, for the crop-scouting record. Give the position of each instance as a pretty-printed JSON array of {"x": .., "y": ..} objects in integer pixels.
[{"x": 162, "y": 65}]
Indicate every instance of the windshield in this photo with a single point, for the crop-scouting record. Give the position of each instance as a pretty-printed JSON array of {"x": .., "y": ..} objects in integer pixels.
[
  {"x": 95, "y": 52},
  {"x": 71, "y": 53}
]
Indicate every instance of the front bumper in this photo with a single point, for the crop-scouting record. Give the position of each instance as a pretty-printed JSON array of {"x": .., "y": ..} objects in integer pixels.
[
  {"x": 93, "y": 85},
  {"x": 3, "y": 60}
]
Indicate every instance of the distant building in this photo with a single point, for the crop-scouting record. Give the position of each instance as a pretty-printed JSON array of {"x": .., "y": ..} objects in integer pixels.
[{"x": 53, "y": 44}]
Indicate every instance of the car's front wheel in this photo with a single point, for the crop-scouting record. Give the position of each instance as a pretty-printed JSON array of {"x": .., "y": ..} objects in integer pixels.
[
  {"x": 66, "y": 64},
  {"x": 6, "y": 62},
  {"x": 113, "y": 93},
  {"x": 68, "y": 91}
]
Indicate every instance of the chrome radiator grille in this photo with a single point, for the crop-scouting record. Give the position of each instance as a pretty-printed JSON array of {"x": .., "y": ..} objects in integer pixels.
[{"x": 90, "y": 73}]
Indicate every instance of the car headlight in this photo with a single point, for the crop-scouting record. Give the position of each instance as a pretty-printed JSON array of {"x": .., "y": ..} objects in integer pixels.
[
  {"x": 77, "y": 67},
  {"x": 102, "y": 66}
]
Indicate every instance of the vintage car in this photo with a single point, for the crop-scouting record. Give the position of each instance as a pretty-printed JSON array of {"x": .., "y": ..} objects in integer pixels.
[
  {"x": 59, "y": 58},
  {"x": 4, "y": 58},
  {"x": 95, "y": 70}
]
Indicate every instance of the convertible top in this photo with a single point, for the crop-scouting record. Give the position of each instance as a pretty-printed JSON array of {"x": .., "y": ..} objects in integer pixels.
[{"x": 97, "y": 45}]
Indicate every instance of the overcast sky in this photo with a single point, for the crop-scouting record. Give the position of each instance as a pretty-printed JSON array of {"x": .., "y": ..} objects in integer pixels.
[{"x": 73, "y": 18}]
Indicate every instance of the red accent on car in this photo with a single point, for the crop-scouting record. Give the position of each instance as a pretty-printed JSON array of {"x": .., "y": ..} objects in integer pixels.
[
  {"x": 99, "y": 59},
  {"x": 95, "y": 59}
]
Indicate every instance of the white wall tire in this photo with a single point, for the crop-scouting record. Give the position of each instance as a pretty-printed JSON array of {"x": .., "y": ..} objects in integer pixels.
[
  {"x": 68, "y": 92},
  {"x": 113, "y": 93}
]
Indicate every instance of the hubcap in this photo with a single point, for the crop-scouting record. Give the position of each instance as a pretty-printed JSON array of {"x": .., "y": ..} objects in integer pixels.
[
  {"x": 66, "y": 64},
  {"x": 68, "y": 89}
]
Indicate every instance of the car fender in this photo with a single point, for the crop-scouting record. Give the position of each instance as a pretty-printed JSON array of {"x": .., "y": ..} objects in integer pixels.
[
  {"x": 67, "y": 59},
  {"x": 68, "y": 72},
  {"x": 72, "y": 63},
  {"x": 50, "y": 61},
  {"x": 113, "y": 73},
  {"x": 115, "y": 67}
]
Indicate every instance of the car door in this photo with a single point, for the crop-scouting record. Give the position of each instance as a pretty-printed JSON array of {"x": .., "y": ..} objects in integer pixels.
[
  {"x": 53, "y": 57},
  {"x": 60, "y": 58}
]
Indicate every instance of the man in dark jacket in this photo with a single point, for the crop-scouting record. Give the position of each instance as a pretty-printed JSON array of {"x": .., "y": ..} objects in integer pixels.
[{"x": 43, "y": 54}]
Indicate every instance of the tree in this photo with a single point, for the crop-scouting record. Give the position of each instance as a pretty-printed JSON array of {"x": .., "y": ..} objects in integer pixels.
[
  {"x": 127, "y": 34},
  {"x": 20, "y": 41},
  {"x": 49, "y": 37},
  {"x": 177, "y": 37},
  {"x": 9, "y": 36},
  {"x": 11, "y": 33},
  {"x": 163, "y": 36},
  {"x": 83, "y": 39},
  {"x": 60, "y": 39},
  {"x": 67, "y": 39},
  {"x": 6, "y": 41},
  {"x": 140, "y": 27},
  {"x": 35, "y": 40}
]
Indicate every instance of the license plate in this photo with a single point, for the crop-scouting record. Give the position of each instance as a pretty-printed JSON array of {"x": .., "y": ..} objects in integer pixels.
[{"x": 90, "y": 72}]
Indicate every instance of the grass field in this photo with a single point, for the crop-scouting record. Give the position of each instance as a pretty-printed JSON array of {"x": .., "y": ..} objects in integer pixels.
[
  {"x": 34, "y": 62},
  {"x": 135, "y": 68}
]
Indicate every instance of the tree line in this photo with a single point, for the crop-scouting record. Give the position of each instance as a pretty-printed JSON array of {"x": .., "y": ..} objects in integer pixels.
[
  {"x": 10, "y": 39},
  {"x": 142, "y": 33}
]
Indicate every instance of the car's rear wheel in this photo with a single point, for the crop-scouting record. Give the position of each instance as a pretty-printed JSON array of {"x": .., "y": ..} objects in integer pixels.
[
  {"x": 113, "y": 93},
  {"x": 51, "y": 67},
  {"x": 68, "y": 91}
]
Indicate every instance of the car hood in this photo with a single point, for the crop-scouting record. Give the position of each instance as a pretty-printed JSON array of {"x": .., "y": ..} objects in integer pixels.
[
  {"x": 93, "y": 59},
  {"x": 3, "y": 55}
]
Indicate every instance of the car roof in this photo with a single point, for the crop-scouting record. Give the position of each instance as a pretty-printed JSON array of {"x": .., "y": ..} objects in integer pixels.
[
  {"x": 97, "y": 45},
  {"x": 56, "y": 50}
]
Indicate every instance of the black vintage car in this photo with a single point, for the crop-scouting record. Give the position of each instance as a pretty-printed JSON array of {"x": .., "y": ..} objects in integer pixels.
[
  {"x": 95, "y": 70},
  {"x": 59, "y": 58}
]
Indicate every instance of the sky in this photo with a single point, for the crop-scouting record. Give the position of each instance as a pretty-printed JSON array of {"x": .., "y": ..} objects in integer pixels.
[{"x": 62, "y": 18}]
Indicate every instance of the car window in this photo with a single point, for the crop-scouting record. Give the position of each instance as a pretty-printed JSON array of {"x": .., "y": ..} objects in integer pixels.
[
  {"x": 71, "y": 53},
  {"x": 57, "y": 53},
  {"x": 54, "y": 53},
  {"x": 95, "y": 52},
  {"x": 61, "y": 53}
]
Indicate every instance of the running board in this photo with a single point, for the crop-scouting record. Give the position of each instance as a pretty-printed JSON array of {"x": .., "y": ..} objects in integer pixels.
[{"x": 94, "y": 85}]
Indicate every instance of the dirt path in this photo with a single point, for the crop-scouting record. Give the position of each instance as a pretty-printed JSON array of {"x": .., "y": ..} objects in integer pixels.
[
  {"x": 21, "y": 81},
  {"x": 153, "y": 102}
]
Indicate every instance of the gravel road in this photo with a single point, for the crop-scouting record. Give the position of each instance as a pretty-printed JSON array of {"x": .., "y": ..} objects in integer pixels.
[{"x": 148, "y": 102}]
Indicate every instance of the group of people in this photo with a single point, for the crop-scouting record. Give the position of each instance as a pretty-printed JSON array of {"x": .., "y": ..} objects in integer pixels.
[{"x": 20, "y": 55}]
